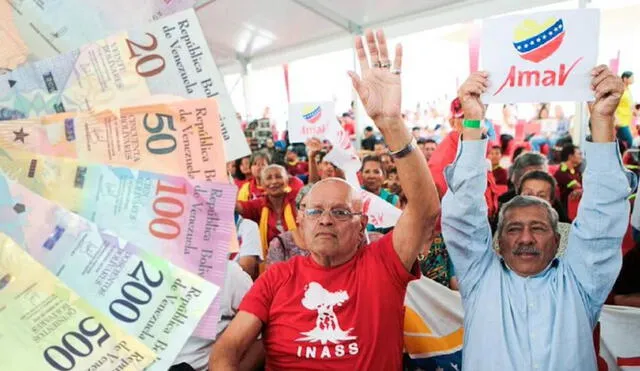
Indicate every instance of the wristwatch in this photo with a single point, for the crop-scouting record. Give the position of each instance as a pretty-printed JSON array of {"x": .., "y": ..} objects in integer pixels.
[{"x": 406, "y": 150}]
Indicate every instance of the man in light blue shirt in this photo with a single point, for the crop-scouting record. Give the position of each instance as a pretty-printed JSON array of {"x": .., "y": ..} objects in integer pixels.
[{"x": 525, "y": 307}]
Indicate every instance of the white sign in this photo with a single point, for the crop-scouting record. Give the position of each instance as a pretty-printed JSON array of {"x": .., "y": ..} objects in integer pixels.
[
  {"x": 312, "y": 120},
  {"x": 540, "y": 57}
]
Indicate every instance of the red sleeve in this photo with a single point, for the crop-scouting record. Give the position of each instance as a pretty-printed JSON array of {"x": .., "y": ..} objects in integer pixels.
[
  {"x": 296, "y": 184},
  {"x": 442, "y": 157},
  {"x": 491, "y": 194},
  {"x": 258, "y": 299},
  {"x": 252, "y": 209},
  {"x": 383, "y": 253}
]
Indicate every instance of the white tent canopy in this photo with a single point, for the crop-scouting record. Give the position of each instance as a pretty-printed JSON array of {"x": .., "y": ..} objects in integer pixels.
[{"x": 266, "y": 33}]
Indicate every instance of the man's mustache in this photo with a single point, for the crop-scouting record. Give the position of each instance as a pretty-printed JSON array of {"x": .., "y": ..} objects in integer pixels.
[{"x": 526, "y": 249}]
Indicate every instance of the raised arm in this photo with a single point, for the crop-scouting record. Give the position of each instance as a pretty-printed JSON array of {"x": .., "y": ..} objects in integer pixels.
[
  {"x": 594, "y": 250},
  {"x": 380, "y": 92},
  {"x": 465, "y": 224},
  {"x": 314, "y": 146}
]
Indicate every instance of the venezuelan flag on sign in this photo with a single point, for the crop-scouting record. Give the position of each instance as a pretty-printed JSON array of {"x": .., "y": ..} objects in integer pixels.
[{"x": 433, "y": 327}]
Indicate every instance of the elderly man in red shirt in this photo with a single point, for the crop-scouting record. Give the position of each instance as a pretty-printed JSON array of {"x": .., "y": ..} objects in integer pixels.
[{"x": 342, "y": 307}]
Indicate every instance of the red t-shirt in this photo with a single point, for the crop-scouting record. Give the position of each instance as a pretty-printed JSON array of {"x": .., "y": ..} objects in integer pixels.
[
  {"x": 349, "y": 126},
  {"x": 298, "y": 168},
  {"x": 349, "y": 317},
  {"x": 501, "y": 175}
]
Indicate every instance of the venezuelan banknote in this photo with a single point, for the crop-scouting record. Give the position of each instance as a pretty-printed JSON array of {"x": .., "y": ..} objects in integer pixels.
[
  {"x": 44, "y": 325},
  {"x": 184, "y": 221},
  {"x": 182, "y": 138},
  {"x": 162, "y": 61},
  {"x": 34, "y": 30},
  {"x": 179, "y": 139},
  {"x": 152, "y": 299}
]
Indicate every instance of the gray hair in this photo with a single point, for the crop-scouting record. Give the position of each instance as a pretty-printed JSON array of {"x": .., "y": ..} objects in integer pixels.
[
  {"x": 526, "y": 201},
  {"x": 525, "y": 160},
  {"x": 263, "y": 173},
  {"x": 301, "y": 194}
]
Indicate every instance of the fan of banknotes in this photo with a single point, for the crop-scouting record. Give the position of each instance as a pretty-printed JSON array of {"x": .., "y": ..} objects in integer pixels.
[{"x": 116, "y": 213}]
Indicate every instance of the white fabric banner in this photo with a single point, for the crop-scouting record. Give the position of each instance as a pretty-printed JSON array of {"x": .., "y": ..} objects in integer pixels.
[{"x": 433, "y": 330}]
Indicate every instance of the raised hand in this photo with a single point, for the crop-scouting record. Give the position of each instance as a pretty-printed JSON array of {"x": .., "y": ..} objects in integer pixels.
[
  {"x": 314, "y": 145},
  {"x": 469, "y": 95},
  {"x": 380, "y": 87},
  {"x": 608, "y": 89}
]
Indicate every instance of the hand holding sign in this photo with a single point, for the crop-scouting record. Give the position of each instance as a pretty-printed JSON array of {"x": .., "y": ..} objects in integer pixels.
[
  {"x": 469, "y": 94},
  {"x": 314, "y": 146},
  {"x": 379, "y": 88},
  {"x": 608, "y": 90}
]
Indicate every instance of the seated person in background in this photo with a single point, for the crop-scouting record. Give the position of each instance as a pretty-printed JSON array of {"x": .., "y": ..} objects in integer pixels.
[
  {"x": 437, "y": 264},
  {"x": 242, "y": 172},
  {"x": 427, "y": 146},
  {"x": 291, "y": 243},
  {"x": 342, "y": 307},
  {"x": 253, "y": 189},
  {"x": 523, "y": 164},
  {"x": 500, "y": 174},
  {"x": 196, "y": 351},
  {"x": 626, "y": 291},
  {"x": 527, "y": 308},
  {"x": 276, "y": 212},
  {"x": 373, "y": 177},
  {"x": 380, "y": 148},
  {"x": 392, "y": 184},
  {"x": 568, "y": 176},
  {"x": 295, "y": 167},
  {"x": 319, "y": 168},
  {"x": 250, "y": 254},
  {"x": 387, "y": 162},
  {"x": 542, "y": 185},
  {"x": 369, "y": 140}
]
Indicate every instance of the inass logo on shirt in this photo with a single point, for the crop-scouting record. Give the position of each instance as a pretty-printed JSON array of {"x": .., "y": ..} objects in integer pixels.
[{"x": 327, "y": 329}]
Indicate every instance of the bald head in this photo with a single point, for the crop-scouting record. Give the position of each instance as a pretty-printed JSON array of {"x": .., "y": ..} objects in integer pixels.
[{"x": 337, "y": 186}]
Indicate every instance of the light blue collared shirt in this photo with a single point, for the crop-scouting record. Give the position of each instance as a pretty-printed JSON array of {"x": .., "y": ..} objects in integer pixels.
[{"x": 544, "y": 322}]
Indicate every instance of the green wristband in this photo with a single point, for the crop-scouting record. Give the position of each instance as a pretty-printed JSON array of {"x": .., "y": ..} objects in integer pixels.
[{"x": 472, "y": 124}]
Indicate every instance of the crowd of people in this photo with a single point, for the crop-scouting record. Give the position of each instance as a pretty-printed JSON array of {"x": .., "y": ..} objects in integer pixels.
[{"x": 486, "y": 212}]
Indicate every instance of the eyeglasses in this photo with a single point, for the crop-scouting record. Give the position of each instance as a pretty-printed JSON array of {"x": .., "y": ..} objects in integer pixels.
[{"x": 337, "y": 214}]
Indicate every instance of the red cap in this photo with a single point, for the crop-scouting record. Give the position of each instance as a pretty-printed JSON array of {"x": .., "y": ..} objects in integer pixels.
[{"x": 456, "y": 109}]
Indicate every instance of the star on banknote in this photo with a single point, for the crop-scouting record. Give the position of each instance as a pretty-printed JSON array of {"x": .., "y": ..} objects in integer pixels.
[{"x": 20, "y": 135}]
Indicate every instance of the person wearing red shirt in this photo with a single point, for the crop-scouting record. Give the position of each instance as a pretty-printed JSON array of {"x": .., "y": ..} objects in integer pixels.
[
  {"x": 295, "y": 167},
  {"x": 276, "y": 212},
  {"x": 568, "y": 176},
  {"x": 500, "y": 174},
  {"x": 342, "y": 307},
  {"x": 349, "y": 125},
  {"x": 253, "y": 189}
]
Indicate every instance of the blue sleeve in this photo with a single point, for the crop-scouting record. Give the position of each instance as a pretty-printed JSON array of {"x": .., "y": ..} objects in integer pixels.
[
  {"x": 465, "y": 225},
  {"x": 594, "y": 252}
]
